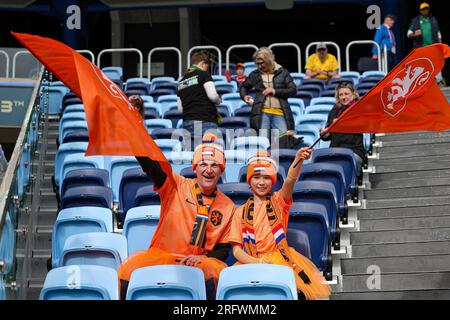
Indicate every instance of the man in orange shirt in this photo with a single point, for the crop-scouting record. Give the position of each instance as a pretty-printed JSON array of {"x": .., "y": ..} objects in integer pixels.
[
  {"x": 260, "y": 225},
  {"x": 194, "y": 221}
]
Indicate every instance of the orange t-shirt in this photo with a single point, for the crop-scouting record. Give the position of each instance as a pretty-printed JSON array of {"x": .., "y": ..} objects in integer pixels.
[
  {"x": 178, "y": 214},
  {"x": 265, "y": 242}
]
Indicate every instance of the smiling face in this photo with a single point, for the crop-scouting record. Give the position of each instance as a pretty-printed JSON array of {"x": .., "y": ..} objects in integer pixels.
[
  {"x": 346, "y": 96},
  {"x": 208, "y": 173},
  {"x": 261, "y": 185}
]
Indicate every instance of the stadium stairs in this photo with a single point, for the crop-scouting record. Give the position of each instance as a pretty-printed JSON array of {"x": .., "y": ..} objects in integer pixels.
[{"x": 404, "y": 222}]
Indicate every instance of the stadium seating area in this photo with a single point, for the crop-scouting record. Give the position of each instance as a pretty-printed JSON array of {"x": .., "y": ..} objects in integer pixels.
[{"x": 108, "y": 209}]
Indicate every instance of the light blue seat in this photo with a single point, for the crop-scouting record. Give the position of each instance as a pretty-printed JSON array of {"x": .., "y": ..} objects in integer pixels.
[
  {"x": 73, "y": 108},
  {"x": 228, "y": 106},
  {"x": 297, "y": 104},
  {"x": 319, "y": 109},
  {"x": 217, "y": 78},
  {"x": 65, "y": 150},
  {"x": 55, "y": 98},
  {"x": 167, "y": 282},
  {"x": 157, "y": 80},
  {"x": 249, "y": 67},
  {"x": 168, "y": 146},
  {"x": 225, "y": 84},
  {"x": 75, "y": 221},
  {"x": 114, "y": 73},
  {"x": 354, "y": 75},
  {"x": 94, "y": 248},
  {"x": 70, "y": 126},
  {"x": 79, "y": 161},
  {"x": 139, "y": 226},
  {"x": 140, "y": 81},
  {"x": 151, "y": 124},
  {"x": 317, "y": 120},
  {"x": 373, "y": 73},
  {"x": 322, "y": 100},
  {"x": 116, "y": 167},
  {"x": 166, "y": 101},
  {"x": 7, "y": 244},
  {"x": 367, "y": 140},
  {"x": 153, "y": 106},
  {"x": 235, "y": 160},
  {"x": 70, "y": 117},
  {"x": 2, "y": 290},
  {"x": 298, "y": 77},
  {"x": 250, "y": 145},
  {"x": 234, "y": 99},
  {"x": 146, "y": 98},
  {"x": 257, "y": 282},
  {"x": 81, "y": 283}
]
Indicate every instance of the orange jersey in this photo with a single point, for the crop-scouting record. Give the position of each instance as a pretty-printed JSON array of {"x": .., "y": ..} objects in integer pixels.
[
  {"x": 265, "y": 242},
  {"x": 178, "y": 214}
]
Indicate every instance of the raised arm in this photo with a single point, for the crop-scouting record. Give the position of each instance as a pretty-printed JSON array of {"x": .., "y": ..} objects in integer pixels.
[
  {"x": 293, "y": 173},
  {"x": 153, "y": 170}
]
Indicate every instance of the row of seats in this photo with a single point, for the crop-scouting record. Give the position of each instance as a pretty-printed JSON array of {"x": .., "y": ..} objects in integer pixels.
[{"x": 170, "y": 282}]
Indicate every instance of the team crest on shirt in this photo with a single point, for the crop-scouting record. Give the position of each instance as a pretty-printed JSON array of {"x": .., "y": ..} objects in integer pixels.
[
  {"x": 216, "y": 218},
  {"x": 408, "y": 80}
]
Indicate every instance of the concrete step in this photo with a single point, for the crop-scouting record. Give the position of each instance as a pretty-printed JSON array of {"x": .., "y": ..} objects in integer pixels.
[
  {"x": 413, "y": 136},
  {"x": 408, "y": 264},
  {"x": 417, "y": 142},
  {"x": 47, "y": 217},
  {"x": 399, "y": 282},
  {"x": 400, "y": 236},
  {"x": 34, "y": 288},
  {"x": 401, "y": 249},
  {"x": 404, "y": 223},
  {"x": 48, "y": 199},
  {"x": 392, "y": 193},
  {"x": 435, "y": 165},
  {"x": 407, "y": 183},
  {"x": 408, "y": 202},
  {"x": 423, "y": 160},
  {"x": 408, "y": 212},
  {"x": 393, "y": 295},
  {"x": 389, "y": 176},
  {"x": 410, "y": 152}
]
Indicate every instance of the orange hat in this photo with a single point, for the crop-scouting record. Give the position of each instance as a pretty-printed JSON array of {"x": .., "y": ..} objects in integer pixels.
[
  {"x": 239, "y": 65},
  {"x": 262, "y": 164},
  {"x": 209, "y": 149},
  {"x": 424, "y": 5}
]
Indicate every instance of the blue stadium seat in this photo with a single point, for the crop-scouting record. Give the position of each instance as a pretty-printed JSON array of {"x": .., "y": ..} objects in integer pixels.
[
  {"x": 145, "y": 196},
  {"x": 372, "y": 80},
  {"x": 157, "y": 123},
  {"x": 157, "y": 80},
  {"x": 156, "y": 93},
  {"x": 319, "y": 109},
  {"x": 345, "y": 158},
  {"x": 239, "y": 193},
  {"x": 243, "y": 111},
  {"x": 79, "y": 161},
  {"x": 116, "y": 168},
  {"x": 76, "y": 136},
  {"x": 351, "y": 74},
  {"x": 312, "y": 219},
  {"x": 169, "y": 145},
  {"x": 234, "y": 161},
  {"x": 297, "y": 103},
  {"x": 174, "y": 116},
  {"x": 70, "y": 126},
  {"x": 335, "y": 81},
  {"x": 165, "y": 100},
  {"x": 373, "y": 73},
  {"x": 84, "y": 177},
  {"x": 137, "y": 90},
  {"x": 332, "y": 173},
  {"x": 151, "y": 114},
  {"x": 167, "y": 282},
  {"x": 65, "y": 150},
  {"x": 131, "y": 180},
  {"x": 250, "y": 144},
  {"x": 137, "y": 80},
  {"x": 324, "y": 193},
  {"x": 323, "y": 100},
  {"x": 298, "y": 77},
  {"x": 113, "y": 73},
  {"x": 2, "y": 290},
  {"x": 315, "y": 89},
  {"x": 70, "y": 99},
  {"x": 74, "y": 108},
  {"x": 367, "y": 141},
  {"x": 155, "y": 106},
  {"x": 234, "y": 99},
  {"x": 328, "y": 93},
  {"x": 217, "y": 78},
  {"x": 308, "y": 132},
  {"x": 257, "y": 282},
  {"x": 362, "y": 92},
  {"x": 166, "y": 133},
  {"x": 235, "y": 123},
  {"x": 169, "y": 86},
  {"x": 94, "y": 248},
  {"x": 225, "y": 87},
  {"x": 72, "y": 116},
  {"x": 87, "y": 196},
  {"x": 299, "y": 240},
  {"x": 55, "y": 98},
  {"x": 316, "y": 120},
  {"x": 313, "y": 81},
  {"x": 147, "y": 99},
  {"x": 139, "y": 226},
  {"x": 81, "y": 283},
  {"x": 225, "y": 109},
  {"x": 306, "y": 96},
  {"x": 7, "y": 244},
  {"x": 75, "y": 221},
  {"x": 285, "y": 158},
  {"x": 365, "y": 85},
  {"x": 281, "y": 175}
]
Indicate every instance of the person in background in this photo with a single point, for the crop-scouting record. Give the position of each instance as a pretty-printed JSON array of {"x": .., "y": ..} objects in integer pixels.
[
  {"x": 239, "y": 77},
  {"x": 346, "y": 96},
  {"x": 198, "y": 98},
  {"x": 138, "y": 103},
  {"x": 321, "y": 64},
  {"x": 385, "y": 37},
  {"x": 273, "y": 85},
  {"x": 424, "y": 30},
  {"x": 260, "y": 225}
]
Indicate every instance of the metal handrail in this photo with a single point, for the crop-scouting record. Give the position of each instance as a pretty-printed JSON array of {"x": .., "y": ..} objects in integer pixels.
[
  {"x": 241, "y": 46},
  {"x": 149, "y": 60},
  {"x": 334, "y": 44},
  {"x": 141, "y": 57},
  {"x": 385, "y": 59},
  {"x": 347, "y": 52},
  {"x": 13, "y": 164},
  {"x": 18, "y": 53},
  {"x": 90, "y": 53},
  {"x": 219, "y": 55},
  {"x": 291, "y": 44},
  {"x": 7, "y": 62}
]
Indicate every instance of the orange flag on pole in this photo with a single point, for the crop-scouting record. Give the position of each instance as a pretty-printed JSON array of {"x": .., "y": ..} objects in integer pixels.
[
  {"x": 115, "y": 127},
  {"x": 407, "y": 99}
]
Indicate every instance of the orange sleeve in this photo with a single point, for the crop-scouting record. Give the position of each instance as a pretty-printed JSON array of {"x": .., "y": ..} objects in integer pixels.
[
  {"x": 285, "y": 206},
  {"x": 235, "y": 235}
]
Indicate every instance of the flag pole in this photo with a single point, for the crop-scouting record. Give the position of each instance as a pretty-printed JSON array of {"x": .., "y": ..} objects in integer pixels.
[{"x": 311, "y": 147}]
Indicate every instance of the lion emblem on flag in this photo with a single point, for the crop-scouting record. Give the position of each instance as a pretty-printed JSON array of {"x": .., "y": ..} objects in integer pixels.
[{"x": 410, "y": 79}]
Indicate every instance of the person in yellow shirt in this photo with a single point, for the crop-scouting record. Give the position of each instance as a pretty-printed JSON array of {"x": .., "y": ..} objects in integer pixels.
[{"x": 322, "y": 65}]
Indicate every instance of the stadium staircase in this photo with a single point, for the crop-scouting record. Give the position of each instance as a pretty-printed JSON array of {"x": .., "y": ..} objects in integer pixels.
[{"x": 404, "y": 222}]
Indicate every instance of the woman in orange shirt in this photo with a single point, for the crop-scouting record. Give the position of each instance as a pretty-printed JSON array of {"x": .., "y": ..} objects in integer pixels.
[{"x": 259, "y": 226}]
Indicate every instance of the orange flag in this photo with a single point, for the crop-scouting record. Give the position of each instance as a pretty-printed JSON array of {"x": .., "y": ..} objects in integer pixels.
[
  {"x": 114, "y": 125},
  {"x": 407, "y": 99}
]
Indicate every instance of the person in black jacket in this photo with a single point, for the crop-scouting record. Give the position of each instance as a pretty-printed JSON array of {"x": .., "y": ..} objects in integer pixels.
[
  {"x": 346, "y": 96},
  {"x": 273, "y": 85}
]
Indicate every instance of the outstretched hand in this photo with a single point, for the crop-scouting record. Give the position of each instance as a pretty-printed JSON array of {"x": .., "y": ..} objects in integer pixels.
[{"x": 304, "y": 154}]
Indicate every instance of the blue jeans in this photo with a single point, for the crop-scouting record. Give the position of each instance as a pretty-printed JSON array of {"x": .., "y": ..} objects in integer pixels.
[
  {"x": 272, "y": 121},
  {"x": 197, "y": 129}
]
